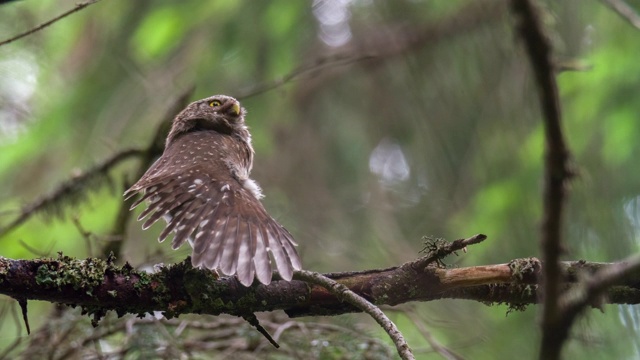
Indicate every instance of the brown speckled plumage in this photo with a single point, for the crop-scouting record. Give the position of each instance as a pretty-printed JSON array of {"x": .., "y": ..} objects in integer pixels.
[{"x": 201, "y": 186}]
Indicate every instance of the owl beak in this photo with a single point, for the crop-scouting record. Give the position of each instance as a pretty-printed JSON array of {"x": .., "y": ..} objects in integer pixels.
[{"x": 235, "y": 109}]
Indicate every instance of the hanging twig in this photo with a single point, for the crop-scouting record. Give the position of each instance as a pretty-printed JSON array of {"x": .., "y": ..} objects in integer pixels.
[
  {"x": 23, "y": 306},
  {"x": 253, "y": 321}
]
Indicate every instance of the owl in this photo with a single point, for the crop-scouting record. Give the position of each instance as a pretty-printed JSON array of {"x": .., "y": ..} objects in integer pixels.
[{"x": 201, "y": 187}]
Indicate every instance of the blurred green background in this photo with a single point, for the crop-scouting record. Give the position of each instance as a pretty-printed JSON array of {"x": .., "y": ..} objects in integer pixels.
[{"x": 407, "y": 118}]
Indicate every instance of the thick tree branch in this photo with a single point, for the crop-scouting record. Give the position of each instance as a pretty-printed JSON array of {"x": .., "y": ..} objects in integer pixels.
[
  {"x": 556, "y": 173},
  {"x": 99, "y": 286}
]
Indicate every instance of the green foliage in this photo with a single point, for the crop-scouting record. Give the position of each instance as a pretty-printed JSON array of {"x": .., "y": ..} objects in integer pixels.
[{"x": 158, "y": 34}]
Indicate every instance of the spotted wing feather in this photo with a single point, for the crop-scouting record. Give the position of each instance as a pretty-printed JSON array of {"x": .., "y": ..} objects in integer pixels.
[{"x": 225, "y": 223}]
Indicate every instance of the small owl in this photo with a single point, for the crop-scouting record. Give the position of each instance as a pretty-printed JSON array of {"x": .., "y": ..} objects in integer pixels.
[{"x": 201, "y": 187}]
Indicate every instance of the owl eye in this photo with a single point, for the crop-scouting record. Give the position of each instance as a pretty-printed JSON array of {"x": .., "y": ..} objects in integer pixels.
[{"x": 215, "y": 103}]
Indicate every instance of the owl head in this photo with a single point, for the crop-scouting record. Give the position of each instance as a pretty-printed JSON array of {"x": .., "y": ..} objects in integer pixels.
[{"x": 220, "y": 113}]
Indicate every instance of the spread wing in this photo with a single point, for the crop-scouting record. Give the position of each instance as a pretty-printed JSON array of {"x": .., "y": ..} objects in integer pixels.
[{"x": 226, "y": 225}]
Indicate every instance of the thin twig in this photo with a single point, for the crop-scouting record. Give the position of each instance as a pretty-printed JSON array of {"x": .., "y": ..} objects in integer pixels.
[
  {"x": 69, "y": 188},
  {"x": 445, "y": 352},
  {"x": 9, "y": 349},
  {"x": 317, "y": 65},
  {"x": 449, "y": 248},
  {"x": 343, "y": 293},
  {"x": 86, "y": 235},
  {"x": 625, "y": 11},
  {"x": 556, "y": 171},
  {"x": 388, "y": 44},
  {"x": 39, "y": 253},
  {"x": 78, "y": 7}
]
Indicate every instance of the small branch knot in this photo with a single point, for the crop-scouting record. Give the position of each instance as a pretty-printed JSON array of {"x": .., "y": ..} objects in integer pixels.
[{"x": 525, "y": 269}]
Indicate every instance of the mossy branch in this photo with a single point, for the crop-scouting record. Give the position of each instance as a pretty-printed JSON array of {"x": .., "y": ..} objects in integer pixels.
[{"x": 99, "y": 286}]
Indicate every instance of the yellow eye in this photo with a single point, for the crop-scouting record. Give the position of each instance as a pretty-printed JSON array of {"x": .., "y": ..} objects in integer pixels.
[{"x": 215, "y": 103}]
